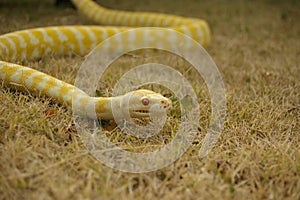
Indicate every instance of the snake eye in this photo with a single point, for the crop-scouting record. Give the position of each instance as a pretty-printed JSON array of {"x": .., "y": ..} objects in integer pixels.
[{"x": 145, "y": 101}]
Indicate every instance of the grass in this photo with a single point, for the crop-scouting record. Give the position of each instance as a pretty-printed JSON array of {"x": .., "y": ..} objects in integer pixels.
[{"x": 256, "y": 47}]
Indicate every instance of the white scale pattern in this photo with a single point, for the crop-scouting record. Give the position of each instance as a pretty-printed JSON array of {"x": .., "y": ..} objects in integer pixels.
[
  {"x": 13, "y": 47},
  {"x": 30, "y": 79},
  {"x": 79, "y": 37},
  {"x": 33, "y": 39}
]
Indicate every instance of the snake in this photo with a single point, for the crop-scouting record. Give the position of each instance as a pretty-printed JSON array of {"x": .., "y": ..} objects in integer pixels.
[{"x": 35, "y": 43}]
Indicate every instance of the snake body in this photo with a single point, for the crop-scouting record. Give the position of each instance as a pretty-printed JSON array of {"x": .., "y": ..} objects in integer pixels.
[{"x": 64, "y": 40}]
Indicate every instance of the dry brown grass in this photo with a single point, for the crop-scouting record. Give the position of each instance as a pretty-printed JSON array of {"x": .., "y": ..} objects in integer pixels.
[{"x": 256, "y": 47}]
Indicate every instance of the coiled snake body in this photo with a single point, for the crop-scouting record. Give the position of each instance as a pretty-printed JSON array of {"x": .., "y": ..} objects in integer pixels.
[{"x": 35, "y": 43}]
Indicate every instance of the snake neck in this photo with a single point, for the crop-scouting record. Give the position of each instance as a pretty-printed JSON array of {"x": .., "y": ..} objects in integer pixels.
[
  {"x": 96, "y": 107},
  {"x": 105, "y": 107}
]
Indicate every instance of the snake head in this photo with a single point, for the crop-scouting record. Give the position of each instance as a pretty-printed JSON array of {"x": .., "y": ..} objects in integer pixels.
[{"x": 141, "y": 103}]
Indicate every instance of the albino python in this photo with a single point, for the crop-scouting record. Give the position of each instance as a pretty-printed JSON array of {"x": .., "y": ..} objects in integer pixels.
[{"x": 64, "y": 40}]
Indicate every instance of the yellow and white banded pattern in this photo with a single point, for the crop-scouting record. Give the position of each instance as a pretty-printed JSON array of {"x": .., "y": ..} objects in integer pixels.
[{"x": 64, "y": 40}]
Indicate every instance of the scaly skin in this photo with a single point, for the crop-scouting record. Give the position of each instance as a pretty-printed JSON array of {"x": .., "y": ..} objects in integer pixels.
[{"x": 36, "y": 43}]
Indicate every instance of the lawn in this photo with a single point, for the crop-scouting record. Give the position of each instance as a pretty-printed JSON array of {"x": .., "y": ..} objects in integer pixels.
[{"x": 256, "y": 46}]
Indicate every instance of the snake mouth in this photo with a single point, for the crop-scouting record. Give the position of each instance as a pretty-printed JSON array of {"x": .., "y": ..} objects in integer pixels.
[{"x": 141, "y": 111}]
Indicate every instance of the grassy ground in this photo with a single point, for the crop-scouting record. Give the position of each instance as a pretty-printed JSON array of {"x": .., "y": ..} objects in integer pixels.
[{"x": 256, "y": 47}]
